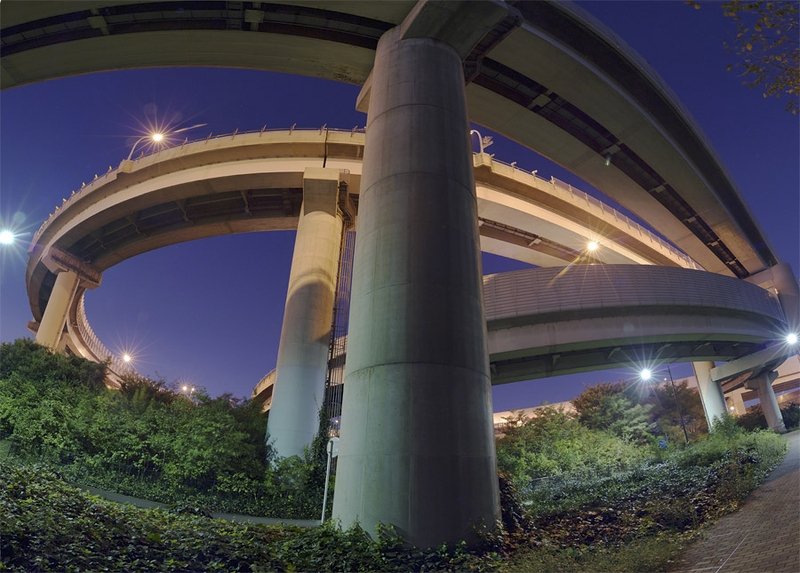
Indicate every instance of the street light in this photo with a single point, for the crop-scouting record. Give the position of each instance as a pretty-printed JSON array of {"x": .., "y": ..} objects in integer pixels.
[
  {"x": 7, "y": 237},
  {"x": 126, "y": 358},
  {"x": 592, "y": 246},
  {"x": 791, "y": 338},
  {"x": 483, "y": 141},
  {"x": 159, "y": 137}
]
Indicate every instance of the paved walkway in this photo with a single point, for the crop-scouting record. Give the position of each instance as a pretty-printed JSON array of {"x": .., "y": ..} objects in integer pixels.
[{"x": 764, "y": 535}]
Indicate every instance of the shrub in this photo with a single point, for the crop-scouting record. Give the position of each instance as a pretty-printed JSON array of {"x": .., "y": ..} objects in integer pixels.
[
  {"x": 48, "y": 525},
  {"x": 554, "y": 443}
]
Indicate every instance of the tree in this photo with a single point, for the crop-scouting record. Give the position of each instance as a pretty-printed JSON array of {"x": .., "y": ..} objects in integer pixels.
[
  {"x": 766, "y": 43},
  {"x": 670, "y": 403},
  {"x": 608, "y": 407}
]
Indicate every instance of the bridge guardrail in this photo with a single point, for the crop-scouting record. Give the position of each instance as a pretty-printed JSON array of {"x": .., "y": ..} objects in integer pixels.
[
  {"x": 95, "y": 345},
  {"x": 575, "y": 195}
]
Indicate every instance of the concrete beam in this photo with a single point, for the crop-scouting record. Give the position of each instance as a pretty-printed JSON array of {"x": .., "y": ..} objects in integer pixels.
[
  {"x": 461, "y": 24},
  {"x": 756, "y": 363}
]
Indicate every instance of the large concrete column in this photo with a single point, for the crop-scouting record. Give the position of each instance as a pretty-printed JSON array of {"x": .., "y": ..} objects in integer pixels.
[
  {"x": 55, "y": 314},
  {"x": 303, "y": 351},
  {"x": 417, "y": 444},
  {"x": 769, "y": 404},
  {"x": 710, "y": 392}
]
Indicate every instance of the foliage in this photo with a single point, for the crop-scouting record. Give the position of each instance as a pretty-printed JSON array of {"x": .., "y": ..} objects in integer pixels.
[
  {"x": 51, "y": 526},
  {"x": 675, "y": 404},
  {"x": 554, "y": 443},
  {"x": 146, "y": 440},
  {"x": 651, "y": 554},
  {"x": 608, "y": 407},
  {"x": 755, "y": 419},
  {"x": 766, "y": 44}
]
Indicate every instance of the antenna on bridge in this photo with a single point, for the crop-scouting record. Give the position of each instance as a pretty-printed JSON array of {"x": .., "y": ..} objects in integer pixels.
[
  {"x": 263, "y": 129},
  {"x": 291, "y": 129},
  {"x": 324, "y": 127}
]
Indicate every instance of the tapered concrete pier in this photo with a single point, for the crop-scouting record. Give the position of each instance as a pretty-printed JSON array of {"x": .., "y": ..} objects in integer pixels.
[
  {"x": 55, "y": 314},
  {"x": 710, "y": 392},
  {"x": 305, "y": 336},
  {"x": 417, "y": 445},
  {"x": 769, "y": 403}
]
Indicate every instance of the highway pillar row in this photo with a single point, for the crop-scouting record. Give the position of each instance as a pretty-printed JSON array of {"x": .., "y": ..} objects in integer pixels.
[
  {"x": 302, "y": 362},
  {"x": 710, "y": 392},
  {"x": 769, "y": 403},
  {"x": 417, "y": 445},
  {"x": 55, "y": 313}
]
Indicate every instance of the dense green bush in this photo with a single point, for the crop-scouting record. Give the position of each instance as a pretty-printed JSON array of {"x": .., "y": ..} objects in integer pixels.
[
  {"x": 147, "y": 440},
  {"x": 554, "y": 444}
]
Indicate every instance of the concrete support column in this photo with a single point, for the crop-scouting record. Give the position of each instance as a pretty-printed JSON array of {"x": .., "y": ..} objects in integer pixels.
[
  {"x": 710, "y": 392},
  {"x": 736, "y": 400},
  {"x": 769, "y": 403},
  {"x": 417, "y": 444},
  {"x": 303, "y": 351},
  {"x": 55, "y": 314}
]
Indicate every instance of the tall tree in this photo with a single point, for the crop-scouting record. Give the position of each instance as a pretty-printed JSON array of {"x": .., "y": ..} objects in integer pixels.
[{"x": 767, "y": 45}]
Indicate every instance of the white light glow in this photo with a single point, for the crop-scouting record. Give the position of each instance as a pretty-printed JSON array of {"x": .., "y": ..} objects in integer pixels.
[
  {"x": 592, "y": 246},
  {"x": 646, "y": 374},
  {"x": 126, "y": 357},
  {"x": 157, "y": 137},
  {"x": 791, "y": 338},
  {"x": 6, "y": 237}
]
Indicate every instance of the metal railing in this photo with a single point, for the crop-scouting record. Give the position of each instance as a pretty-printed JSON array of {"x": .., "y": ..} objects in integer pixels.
[
  {"x": 575, "y": 196},
  {"x": 95, "y": 345},
  {"x": 111, "y": 173},
  {"x": 559, "y": 187}
]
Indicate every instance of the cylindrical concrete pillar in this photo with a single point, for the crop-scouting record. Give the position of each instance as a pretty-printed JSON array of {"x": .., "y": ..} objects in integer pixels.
[
  {"x": 710, "y": 392},
  {"x": 55, "y": 313},
  {"x": 769, "y": 403},
  {"x": 417, "y": 444},
  {"x": 305, "y": 336}
]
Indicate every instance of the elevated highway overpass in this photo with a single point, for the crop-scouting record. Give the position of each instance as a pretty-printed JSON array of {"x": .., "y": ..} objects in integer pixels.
[
  {"x": 541, "y": 73},
  {"x": 252, "y": 182}
]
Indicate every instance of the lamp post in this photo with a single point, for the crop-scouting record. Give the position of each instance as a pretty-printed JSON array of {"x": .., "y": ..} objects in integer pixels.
[
  {"x": 333, "y": 451},
  {"x": 483, "y": 142},
  {"x": 678, "y": 405},
  {"x": 158, "y": 136},
  {"x": 646, "y": 374}
]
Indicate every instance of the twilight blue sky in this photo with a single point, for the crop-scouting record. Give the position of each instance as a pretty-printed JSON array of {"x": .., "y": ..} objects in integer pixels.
[{"x": 209, "y": 312}]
